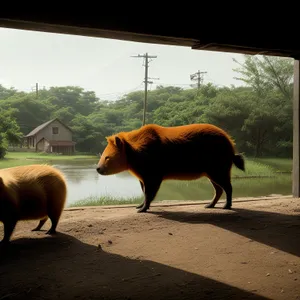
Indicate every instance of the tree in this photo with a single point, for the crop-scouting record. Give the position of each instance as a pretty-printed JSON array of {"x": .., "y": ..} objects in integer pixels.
[
  {"x": 6, "y": 93},
  {"x": 9, "y": 131},
  {"x": 74, "y": 97},
  {"x": 271, "y": 81},
  {"x": 28, "y": 111},
  {"x": 258, "y": 115},
  {"x": 89, "y": 136}
]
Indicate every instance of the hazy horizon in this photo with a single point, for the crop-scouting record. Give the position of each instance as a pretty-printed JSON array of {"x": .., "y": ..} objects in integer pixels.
[{"x": 104, "y": 66}]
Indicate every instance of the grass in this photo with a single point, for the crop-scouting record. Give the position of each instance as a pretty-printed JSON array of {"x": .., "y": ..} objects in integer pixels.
[
  {"x": 42, "y": 155},
  {"x": 283, "y": 165},
  {"x": 106, "y": 200},
  {"x": 254, "y": 168},
  {"x": 13, "y": 159}
]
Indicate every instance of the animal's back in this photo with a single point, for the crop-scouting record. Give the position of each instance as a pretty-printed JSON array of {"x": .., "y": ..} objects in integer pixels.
[
  {"x": 192, "y": 146},
  {"x": 185, "y": 134},
  {"x": 34, "y": 189},
  {"x": 181, "y": 152},
  {"x": 190, "y": 130}
]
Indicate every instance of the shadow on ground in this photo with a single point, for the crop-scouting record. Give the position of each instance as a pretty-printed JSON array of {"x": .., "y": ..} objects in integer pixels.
[
  {"x": 62, "y": 267},
  {"x": 277, "y": 230}
]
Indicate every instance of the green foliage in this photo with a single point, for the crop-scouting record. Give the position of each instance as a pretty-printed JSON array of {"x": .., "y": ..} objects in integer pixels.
[
  {"x": 264, "y": 74},
  {"x": 257, "y": 115},
  {"x": 87, "y": 134},
  {"x": 6, "y": 93},
  {"x": 9, "y": 131},
  {"x": 28, "y": 111},
  {"x": 3, "y": 145}
]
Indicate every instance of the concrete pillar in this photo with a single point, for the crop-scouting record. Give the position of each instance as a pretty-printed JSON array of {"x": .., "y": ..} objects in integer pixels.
[{"x": 296, "y": 131}]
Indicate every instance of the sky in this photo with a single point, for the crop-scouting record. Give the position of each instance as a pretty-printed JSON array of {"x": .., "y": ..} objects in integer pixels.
[{"x": 105, "y": 66}]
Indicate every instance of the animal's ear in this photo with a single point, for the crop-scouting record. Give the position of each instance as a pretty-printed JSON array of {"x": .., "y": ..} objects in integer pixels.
[{"x": 118, "y": 142}]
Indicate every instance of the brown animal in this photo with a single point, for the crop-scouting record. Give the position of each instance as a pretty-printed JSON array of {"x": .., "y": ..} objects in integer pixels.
[
  {"x": 154, "y": 153},
  {"x": 29, "y": 193}
]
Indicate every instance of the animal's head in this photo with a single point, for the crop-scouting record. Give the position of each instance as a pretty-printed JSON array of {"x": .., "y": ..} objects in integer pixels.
[{"x": 113, "y": 159}]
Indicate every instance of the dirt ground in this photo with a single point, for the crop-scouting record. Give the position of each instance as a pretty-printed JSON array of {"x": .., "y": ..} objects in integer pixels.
[{"x": 174, "y": 251}]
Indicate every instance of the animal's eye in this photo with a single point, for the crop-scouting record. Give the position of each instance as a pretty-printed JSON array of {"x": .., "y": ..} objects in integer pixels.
[{"x": 106, "y": 157}]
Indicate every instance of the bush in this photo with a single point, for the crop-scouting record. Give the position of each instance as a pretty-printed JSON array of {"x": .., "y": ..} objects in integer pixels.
[{"x": 3, "y": 146}]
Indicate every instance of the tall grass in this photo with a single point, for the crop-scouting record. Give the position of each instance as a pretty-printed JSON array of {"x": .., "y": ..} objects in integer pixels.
[
  {"x": 254, "y": 169},
  {"x": 106, "y": 200},
  {"x": 284, "y": 165}
]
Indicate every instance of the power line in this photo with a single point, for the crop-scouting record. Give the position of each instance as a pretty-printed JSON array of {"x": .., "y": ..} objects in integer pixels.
[
  {"x": 146, "y": 64},
  {"x": 119, "y": 93}
]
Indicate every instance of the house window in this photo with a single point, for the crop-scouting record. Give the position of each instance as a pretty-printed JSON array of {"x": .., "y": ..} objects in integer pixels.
[{"x": 54, "y": 130}]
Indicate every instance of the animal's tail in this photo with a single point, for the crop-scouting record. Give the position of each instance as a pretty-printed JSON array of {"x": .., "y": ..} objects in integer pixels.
[{"x": 239, "y": 161}]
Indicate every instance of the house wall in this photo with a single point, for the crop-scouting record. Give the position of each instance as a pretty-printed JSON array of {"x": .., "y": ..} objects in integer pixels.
[
  {"x": 40, "y": 146},
  {"x": 30, "y": 142},
  {"x": 64, "y": 134},
  {"x": 63, "y": 149},
  {"x": 43, "y": 146}
]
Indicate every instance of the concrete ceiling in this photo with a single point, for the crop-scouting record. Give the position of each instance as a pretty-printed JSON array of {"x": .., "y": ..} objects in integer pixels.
[{"x": 253, "y": 36}]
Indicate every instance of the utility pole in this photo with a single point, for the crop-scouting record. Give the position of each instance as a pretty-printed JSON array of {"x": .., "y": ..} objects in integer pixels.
[
  {"x": 37, "y": 90},
  {"x": 197, "y": 77},
  {"x": 146, "y": 57}
]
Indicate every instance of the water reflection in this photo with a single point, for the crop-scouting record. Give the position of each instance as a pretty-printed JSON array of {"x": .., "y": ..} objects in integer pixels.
[{"x": 84, "y": 181}]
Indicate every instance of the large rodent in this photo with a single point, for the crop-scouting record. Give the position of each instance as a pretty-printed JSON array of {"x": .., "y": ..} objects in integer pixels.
[
  {"x": 155, "y": 153},
  {"x": 33, "y": 192}
]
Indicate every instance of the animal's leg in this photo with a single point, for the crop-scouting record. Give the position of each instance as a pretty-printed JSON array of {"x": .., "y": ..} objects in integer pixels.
[
  {"x": 143, "y": 189},
  {"x": 151, "y": 187},
  {"x": 54, "y": 222},
  {"x": 223, "y": 180},
  {"x": 40, "y": 225},
  {"x": 228, "y": 189},
  {"x": 54, "y": 213},
  {"x": 218, "y": 194},
  {"x": 9, "y": 226}
]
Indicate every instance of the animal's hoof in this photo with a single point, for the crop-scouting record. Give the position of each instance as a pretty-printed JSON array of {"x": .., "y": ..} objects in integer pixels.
[
  {"x": 140, "y": 205},
  {"x": 142, "y": 209},
  {"x": 227, "y": 206},
  {"x": 209, "y": 205},
  {"x": 51, "y": 231}
]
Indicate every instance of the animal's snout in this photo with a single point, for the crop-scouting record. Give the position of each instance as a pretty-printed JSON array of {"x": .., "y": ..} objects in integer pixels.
[{"x": 100, "y": 170}]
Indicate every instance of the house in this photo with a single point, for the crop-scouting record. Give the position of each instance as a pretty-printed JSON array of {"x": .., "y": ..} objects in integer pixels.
[{"x": 52, "y": 137}]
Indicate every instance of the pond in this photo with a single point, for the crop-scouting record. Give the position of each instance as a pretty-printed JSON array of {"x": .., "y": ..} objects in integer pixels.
[{"x": 84, "y": 182}]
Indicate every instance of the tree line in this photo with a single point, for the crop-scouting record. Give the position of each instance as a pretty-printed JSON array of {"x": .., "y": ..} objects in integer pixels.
[{"x": 257, "y": 114}]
